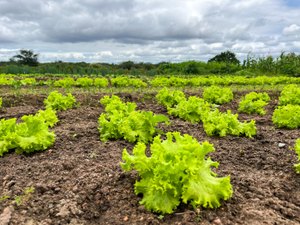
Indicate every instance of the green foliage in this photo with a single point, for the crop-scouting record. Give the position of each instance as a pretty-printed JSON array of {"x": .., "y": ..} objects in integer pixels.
[
  {"x": 127, "y": 82},
  {"x": 49, "y": 116},
  {"x": 33, "y": 135},
  {"x": 21, "y": 199},
  {"x": 1, "y": 101},
  {"x": 7, "y": 135},
  {"x": 115, "y": 112},
  {"x": 140, "y": 126},
  {"x": 6, "y": 81},
  {"x": 290, "y": 95},
  {"x": 254, "y": 102},
  {"x": 170, "y": 98},
  {"x": 57, "y": 101},
  {"x": 26, "y": 57},
  {"x": 177, "y": 170},
  {"x": 220, "y": 124},
  {"x": 28, "y": 81},
  {"x": 287, "y": 116},
  {"x": 65, "y": 82},
  {"x": 297, "y": 149},
  {"x": 223, "y": 63},
  {"x": 84, "y": 82},
  {"x": 193, "y": 109},
  {"x": 115, "y": 104},
  {"x": 217, "y": 95},
  {"x": 30, "y": 135},
  {"x": 121, "y": 120},
  {"x": 226, "y": 57},
  {"x": 100, "y": 82}
]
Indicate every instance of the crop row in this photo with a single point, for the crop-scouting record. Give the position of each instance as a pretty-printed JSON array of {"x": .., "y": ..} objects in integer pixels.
[{"x": 161, "y": 81}]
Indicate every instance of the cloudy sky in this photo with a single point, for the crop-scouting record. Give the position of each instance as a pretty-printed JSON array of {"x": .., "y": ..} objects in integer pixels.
[{"x": 148, "y": 30}]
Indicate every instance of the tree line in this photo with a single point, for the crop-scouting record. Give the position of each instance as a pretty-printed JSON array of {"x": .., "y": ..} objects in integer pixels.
[{"x": 26, "y": 61}]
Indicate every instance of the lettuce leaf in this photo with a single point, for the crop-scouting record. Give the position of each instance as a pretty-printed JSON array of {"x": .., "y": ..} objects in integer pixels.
[
  {"x": 121, "y": 120},
  {"x": 170, "y": 98},
  {"x": 287, "y": 116},
  {"x": 216, "y": 123},
  {"x": 7, "y": 135},
  {"x": 217, "y": 95},
  {"x": 193, "y": 109},
  {"x": 254, "y": 102},
  {"x": 57, "y": 101},
  {"x": 49, "y": 116},
  {"x": 33, "y": 135}
]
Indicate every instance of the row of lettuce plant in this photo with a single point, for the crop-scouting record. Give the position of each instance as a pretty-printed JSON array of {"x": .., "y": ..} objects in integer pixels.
[
  {"x": 160, "y": 81},
  {"x": 33, "y": 133},
  {"x": 178, "y": 169},
  {"x": 195, "y": 109},
  {"x": 175, "y": 81}
]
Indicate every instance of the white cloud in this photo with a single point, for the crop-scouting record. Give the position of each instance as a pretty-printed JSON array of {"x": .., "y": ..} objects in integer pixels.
[
  {"x": 152, "y": 30},
  {"x": 293, "y": 29}
]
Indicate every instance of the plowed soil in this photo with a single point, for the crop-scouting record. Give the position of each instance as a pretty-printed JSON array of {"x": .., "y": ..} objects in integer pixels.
[{"x": 79, "y": 180}]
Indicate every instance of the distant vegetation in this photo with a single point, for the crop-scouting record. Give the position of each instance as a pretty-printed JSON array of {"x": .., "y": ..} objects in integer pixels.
[{"x": 224, "y": 63}]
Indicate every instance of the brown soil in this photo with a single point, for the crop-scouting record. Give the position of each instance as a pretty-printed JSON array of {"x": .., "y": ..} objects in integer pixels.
[{"x": 79, "y": 181}]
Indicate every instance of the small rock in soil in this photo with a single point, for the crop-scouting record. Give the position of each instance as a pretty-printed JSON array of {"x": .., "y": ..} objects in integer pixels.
[
  {"x": 6, "y": 216},
  {"x": 281, "y": 145}
]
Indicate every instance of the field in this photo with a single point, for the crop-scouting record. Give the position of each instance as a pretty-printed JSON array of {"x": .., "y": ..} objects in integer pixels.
[{"x": 79, "y": 180}]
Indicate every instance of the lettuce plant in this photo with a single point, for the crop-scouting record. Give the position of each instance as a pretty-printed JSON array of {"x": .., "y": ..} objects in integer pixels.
[
  {"x": 121, "y": 120},
  {"x": 127, "y": 82},
  {"x": 49, "y": 116},
  {"x": 287, "y": 116},
  {"x": 193, "y": 109},
  {"x": 254, "y": 102},
  {"x": 100, "y": 82},
  {"x": 65, "y": 82},
  {"x": 28, "y": 81},
  {"x": 57, "y": 101},
  {"x": 84, "y": 82},
  {"x": 290, "y": 95},
  {"x": 216, "y": 123},
  {"x": 217, "y": 95},
  {"x": 178, "y": 170},
  {"x": 7, "y": 135},
  {"x": 170, "y": 98},
  {"x": 33, "y": 135}
]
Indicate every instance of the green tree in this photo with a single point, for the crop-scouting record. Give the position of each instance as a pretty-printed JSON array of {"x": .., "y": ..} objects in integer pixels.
[
  {"x": 227, "y": 57},
  {"x": 26, "y": 57}
]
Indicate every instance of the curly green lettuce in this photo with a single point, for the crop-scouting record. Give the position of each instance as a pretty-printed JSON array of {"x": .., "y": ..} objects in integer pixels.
[
  {"x": 170, "y": 98},
  {"x": 217, "y": 95},
  {"x": 178, "y": 170},
  {"x": 216, "y": 123},
  {"x": 254, "y": 102},
  {"x": 7, "y": 135},
  {"x": 287, "y": 116},
  {"x": 121, "y": 120},
  {"x": 57, "y": 101},
  {"x": 193, "y": 109},
  {"x": 32, "y": 135}
]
